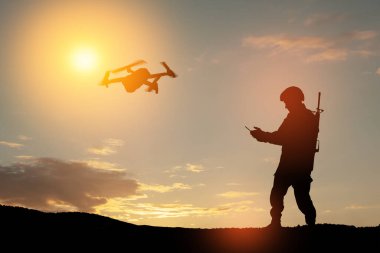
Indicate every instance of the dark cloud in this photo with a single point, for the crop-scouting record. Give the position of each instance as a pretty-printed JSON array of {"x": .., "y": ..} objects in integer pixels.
[{"x": 44, "y": 183}]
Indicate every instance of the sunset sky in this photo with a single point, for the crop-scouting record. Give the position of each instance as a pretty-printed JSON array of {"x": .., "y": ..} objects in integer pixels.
[{"x": 183, "y": 157}]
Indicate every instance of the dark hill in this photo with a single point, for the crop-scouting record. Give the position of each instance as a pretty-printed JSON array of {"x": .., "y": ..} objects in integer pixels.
[{"x": 34, "y": 230}]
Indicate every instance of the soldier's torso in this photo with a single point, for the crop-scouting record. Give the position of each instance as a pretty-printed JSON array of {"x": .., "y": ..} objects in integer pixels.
[{"x": 299, "y": 134}]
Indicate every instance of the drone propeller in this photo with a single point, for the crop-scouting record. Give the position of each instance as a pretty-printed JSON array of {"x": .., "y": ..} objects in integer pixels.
[
  {"x": 169, "y": 71},
  {"x": 128, "y": 67}
]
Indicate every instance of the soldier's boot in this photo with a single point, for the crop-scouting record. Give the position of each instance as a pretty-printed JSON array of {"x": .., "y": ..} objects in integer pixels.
[
  {"x": 310, "y": 216},
  {"x": 275, "y": 224},
  {"x": 310, "y": 220}
]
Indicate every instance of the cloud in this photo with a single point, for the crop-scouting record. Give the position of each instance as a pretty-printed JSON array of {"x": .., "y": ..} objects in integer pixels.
[
  {"x": 102, "y": 165},
  {"x": 378, "y": 71},
  {"x": 285, "y": 42},
  {"x": 330, "y": 54},
  {"x": 359, "y": 207},
  {"x": 317, "y": 48},
  {"x": 364, "y": 53},
  {"x": 363, "y": 35},
  {"x": 16, "y": 144},
  {"x": 196, "y": 168},
  {"x": 11, "y": 144},
  {"x": 323, "y": 19},
  {"x": 126, "y": 210},
  {"x": 173, "y": 169},
  {"x": 163, "y": 188},
  {"x": 22, "y": 137},
  {"x": 177, "y": 171},
  {"x": 24, "y": 157},
  {"x": 50, "y": 184},
  {"x": 108, "y": 148},
  {"x": 312, "y": 48},
  {"x": 237, "y": 194},
  {"x": 101, "y": 150}
]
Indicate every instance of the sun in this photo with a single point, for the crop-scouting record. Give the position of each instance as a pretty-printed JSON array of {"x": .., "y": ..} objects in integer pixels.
[{"x": 84, "y": 59}]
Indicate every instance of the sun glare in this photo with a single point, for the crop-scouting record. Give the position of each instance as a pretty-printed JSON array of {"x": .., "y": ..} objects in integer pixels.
[{"x": 84, "y": 59}]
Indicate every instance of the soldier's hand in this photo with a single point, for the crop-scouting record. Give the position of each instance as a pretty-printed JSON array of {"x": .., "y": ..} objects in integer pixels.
[
  {"x": 258, "y": 134},
  {"x": 255, "y": 133}
]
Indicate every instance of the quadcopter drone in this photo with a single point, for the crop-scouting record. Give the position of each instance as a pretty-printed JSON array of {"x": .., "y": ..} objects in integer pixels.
[{"x": 137, "y": 78}]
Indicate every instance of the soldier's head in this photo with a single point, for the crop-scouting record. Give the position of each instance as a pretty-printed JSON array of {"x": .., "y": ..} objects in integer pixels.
[{"x": 292, "y": 97}]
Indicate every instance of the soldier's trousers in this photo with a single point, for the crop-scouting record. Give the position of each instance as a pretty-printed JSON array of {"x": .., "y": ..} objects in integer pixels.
[{"x": 301, "y": 186}]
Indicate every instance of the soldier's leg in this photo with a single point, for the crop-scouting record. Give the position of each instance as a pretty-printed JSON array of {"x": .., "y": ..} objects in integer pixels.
[
  {"x": 279, "y": 190},
  {"x": 303, "y": 199}
]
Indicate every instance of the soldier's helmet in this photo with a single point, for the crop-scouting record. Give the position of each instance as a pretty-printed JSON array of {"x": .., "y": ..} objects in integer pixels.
[{"x": 292, "y": 93}]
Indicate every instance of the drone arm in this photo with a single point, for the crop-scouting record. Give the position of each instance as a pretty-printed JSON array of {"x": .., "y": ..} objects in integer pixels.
[
  {"x": 157, "y": 76},
  {"x": 115, "y": 80},
  {"x": 128, "y": 67}
]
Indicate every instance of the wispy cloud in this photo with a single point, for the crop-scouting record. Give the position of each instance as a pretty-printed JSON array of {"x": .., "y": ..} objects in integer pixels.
[
  {"x": 126, "y": 210},
  {"x": 51, "y": 184},
  {"x": 317, "y": 48},
  {"x": 363, "y": 35},
  {"x": 163, "y": 188},
  {"x": 364, "y": 53},
  {"x": 24, "y": 157},
  {"x": 178, "y": 170},
  {"x": 11, "y": 144},
  {"x": 22, "y": 137},
  {"x": 324, "y": 19},
  {"x": 109, "y": 147},
  {"x": 105, "y": 150},
  {"x": 237, "y": 194},
  {"x": 286, "y": 42},
  {"x": 102, "y": 165},
  {"x": 359, "y": 207},
  {"x": 114, "y": 142},
  {"x": 196, "y": 168},
  {"x": 173, "y": 169},
  {"x": 331, "y": 54}
]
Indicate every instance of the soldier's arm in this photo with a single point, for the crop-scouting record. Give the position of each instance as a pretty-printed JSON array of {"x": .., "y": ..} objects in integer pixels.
[{"x": 276, "y": 137}]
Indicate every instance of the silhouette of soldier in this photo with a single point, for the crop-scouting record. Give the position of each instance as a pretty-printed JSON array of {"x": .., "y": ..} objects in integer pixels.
[{"x": 297, "y": 136}]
